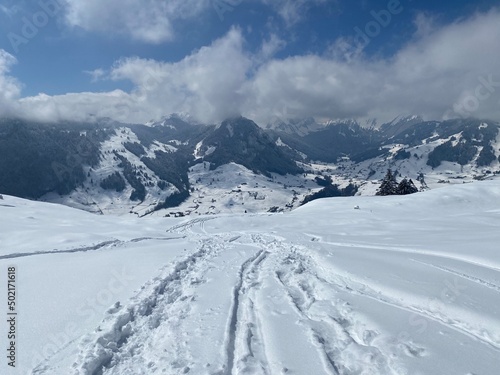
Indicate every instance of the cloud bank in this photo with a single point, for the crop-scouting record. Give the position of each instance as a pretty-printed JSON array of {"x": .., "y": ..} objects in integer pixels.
[{"x": 443, "y": 72}]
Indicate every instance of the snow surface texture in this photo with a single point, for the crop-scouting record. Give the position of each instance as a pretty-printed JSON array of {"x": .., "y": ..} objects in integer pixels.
[{"x": 402, "y": 285}]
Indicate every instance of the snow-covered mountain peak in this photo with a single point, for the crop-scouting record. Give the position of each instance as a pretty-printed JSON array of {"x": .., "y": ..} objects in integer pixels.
[
  {"x": 345, "y": 122},
  {"x": 174, "y": 119}
]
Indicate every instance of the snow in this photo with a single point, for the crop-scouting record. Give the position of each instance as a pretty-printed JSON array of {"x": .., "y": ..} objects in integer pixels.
[
  {"x": 367, "y": 174},
  {"x": 222, "y": 190},
  {"x": 232, "y": 188},
  {"x": 401, "y": 285},
  {"x": 91, "y": 197},
  {"x": 458, "y": 138},
  {"x": 157, "y": 146},
  {"x": 177, "y": 142},
  {"x": 210, "y": 150},
  {"x": 280, "y": 143},
  {"x": 197, "y": 150}
]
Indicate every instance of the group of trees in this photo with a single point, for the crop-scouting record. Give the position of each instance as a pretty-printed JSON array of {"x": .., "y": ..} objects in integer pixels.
[
  {"x": 331, "y": 191},
  {"x": 462, "y": 153},
  {"x": 390, "y": 186},
  {"x": 132, "y": 177},
  {"x": 114, "y": 182},
  {"x": 38, "y": 158}
]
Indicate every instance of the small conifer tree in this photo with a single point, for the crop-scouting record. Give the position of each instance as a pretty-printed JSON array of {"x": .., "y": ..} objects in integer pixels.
[
  {"x": 389, "y": 185},
  {"x": 406, "y": 187}
]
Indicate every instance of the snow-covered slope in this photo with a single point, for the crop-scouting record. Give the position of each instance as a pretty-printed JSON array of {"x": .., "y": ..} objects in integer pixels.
[
  {"x": 93, "y": 198},
  {"x": 232, "y": 188},
  {"x": 400, "y": 285}
]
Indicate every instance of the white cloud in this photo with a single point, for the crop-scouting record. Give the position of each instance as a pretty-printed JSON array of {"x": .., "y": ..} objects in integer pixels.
[
  {"x": 10, "y": 88},
  {"x": 270, "y": 47},
  {"x": 439, "y": 68},
  {"x": 85, "y": 106},
  {"x": 148, "y": 21},
  {"x": 205, "y": 84},
  {"x": 96, "y": 75},
  {"x": 152, "y": 21},
  {"x": 436, "y": 70}
]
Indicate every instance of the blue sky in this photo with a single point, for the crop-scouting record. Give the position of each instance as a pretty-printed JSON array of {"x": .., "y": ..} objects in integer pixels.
[{"x": 211, "y": 58}]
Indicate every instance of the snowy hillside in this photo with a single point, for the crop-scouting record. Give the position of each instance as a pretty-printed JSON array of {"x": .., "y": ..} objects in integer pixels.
[{"x": 399, "y": 285}]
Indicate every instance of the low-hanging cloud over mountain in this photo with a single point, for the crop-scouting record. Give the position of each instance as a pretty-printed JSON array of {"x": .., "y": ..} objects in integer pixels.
[{"x": 444, "y": 71}]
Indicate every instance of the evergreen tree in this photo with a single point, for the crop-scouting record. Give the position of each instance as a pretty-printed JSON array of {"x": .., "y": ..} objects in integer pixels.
[
  {"x": 406, "y": 187},
  {"x": 389, "y": 185}
]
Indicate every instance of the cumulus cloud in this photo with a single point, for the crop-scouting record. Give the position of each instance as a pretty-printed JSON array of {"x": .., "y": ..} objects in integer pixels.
[
  {"x": 270, "y": 47},
  {"x": 434, "y": 73},
  {"x": 207, "y": 84},
  {"x": 148, "y": 21},
  {"x": 443, "y": 72}
]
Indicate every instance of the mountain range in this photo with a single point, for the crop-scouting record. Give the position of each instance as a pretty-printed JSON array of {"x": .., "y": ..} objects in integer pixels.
[{"x": 177, "y": 166}]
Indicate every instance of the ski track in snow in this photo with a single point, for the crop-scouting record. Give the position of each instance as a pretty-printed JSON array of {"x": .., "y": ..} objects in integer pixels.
[
  {"x": 450, "y": 317},
  {"x": 331, "y": 324},
  {"x": 99, "y": 246},
  {"x": 127, "y": 327},
  {"x": 441, "y": 317},
  {"x": 344, "y": 343},
  {"x": 434, "y": 254},
  {"x": 120, "y": 338},
  {"x": 243, "y": 325},
  {"x": 474, "y": 279},
  {"x": 187, "y": 226}
]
